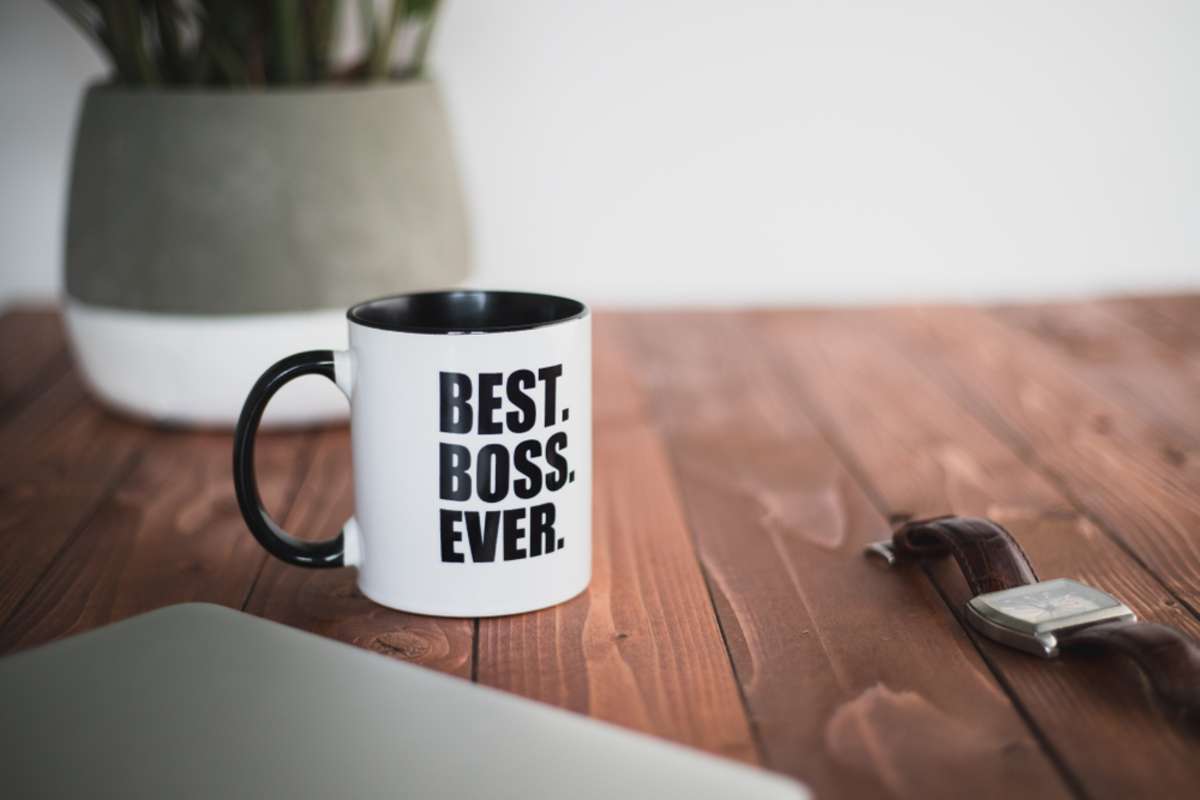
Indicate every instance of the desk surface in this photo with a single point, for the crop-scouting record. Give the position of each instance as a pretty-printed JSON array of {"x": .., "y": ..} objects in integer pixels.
[{"x": 742, "y": 460}]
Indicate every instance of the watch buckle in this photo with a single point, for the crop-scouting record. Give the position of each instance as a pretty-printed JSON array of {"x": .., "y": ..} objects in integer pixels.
[{"x": 884, "y": 550}]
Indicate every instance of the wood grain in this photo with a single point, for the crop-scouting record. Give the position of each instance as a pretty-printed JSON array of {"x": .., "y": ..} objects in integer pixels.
[
  {"x": 33, "y": 351},
  {"x": 641, "y": 648},
  {"x": 1107, "y": 347},
  {"x": 925, "y": 455},
  {"x": 859, "y": 682},
  {"x": 170, "y": 532},
  {"x": 65, "y": 455},
  {"x": 327, "y": 602},
  {"x": 1109, "y": 459},
  {"x": 1167, "y": 315}
]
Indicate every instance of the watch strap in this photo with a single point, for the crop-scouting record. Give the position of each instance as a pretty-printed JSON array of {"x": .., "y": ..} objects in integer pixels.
[
  {"x": 987, "y": 554},
  {"x": 1169, "y": 658}
]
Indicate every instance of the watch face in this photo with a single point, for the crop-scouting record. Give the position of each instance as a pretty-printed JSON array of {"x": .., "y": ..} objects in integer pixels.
[{"x": 1048, "y": 604}]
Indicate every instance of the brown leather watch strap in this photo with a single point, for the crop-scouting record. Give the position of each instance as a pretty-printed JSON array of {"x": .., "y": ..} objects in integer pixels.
[
  {"x": 1169, "y": 658},
  {"x": 987, "y": 554}
]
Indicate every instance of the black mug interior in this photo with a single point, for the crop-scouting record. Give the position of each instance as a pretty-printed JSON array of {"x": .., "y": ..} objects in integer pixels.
[{"x": 467, "y": 311}]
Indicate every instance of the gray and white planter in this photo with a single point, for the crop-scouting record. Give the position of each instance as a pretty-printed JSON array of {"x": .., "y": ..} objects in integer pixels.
[{"x": 210, "y": 233}]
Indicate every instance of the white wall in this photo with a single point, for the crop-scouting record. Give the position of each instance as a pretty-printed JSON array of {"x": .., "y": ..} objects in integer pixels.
[
  {"x": 43, "y": 64},
  {"x": 663, "y": 151}
]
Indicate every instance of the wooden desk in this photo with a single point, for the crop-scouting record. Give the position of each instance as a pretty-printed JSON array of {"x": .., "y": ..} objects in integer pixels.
[{"x": 742, "y": 460}]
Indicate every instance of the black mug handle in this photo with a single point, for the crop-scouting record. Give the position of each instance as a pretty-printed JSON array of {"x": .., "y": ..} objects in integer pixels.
[{"x": 277, "y": 541}]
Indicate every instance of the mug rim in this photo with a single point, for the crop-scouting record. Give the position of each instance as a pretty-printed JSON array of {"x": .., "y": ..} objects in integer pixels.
[{"x": 570, "y": 309}]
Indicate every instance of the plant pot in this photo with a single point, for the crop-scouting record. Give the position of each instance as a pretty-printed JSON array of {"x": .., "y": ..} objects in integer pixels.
[{"x": 211, "y": 233}]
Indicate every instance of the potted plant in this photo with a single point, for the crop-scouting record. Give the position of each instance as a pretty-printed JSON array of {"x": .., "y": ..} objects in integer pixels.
[{"x": 236, "y": 185}]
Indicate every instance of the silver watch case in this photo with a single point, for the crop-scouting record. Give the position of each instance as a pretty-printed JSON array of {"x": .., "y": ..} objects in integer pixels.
[{"x": 1030, "y": 617}]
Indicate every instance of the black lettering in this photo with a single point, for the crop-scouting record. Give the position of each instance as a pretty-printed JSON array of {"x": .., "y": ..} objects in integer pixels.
[
  {"x": 491, "y": 477},
  {"x": 451, "y": 535},
  {"x": 454, "y": 477},
  {"x": 531, "y": 484},
  {"x": 456, "y": 411},
  {"x": 483, "y": 542},
  {"x": 513, "y": 534},
  {"x": 541, "y": 529},
  {"x": 554, "y": 458},
  {"x": 489, "y": 403},
  {"x": 521, "y": 421},
  {"x": 551, "y": 375}
]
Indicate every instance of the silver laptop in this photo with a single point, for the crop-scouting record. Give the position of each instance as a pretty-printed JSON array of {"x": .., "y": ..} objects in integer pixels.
[{"x": 200, "y": 701}]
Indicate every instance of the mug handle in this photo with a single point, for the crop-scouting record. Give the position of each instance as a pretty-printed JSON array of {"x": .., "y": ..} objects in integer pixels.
[{"x": 277, "y": 541}]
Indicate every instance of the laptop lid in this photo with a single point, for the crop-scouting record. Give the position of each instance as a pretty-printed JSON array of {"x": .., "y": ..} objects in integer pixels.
[{"x": 200, "y": 701}]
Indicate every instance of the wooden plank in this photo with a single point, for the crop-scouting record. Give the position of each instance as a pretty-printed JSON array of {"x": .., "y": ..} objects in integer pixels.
[
  {"x": 169, "y": 533},
  {"x": 859, "y": 683},
  {"x": 65, "y": 455},
  {"x": 1167, "y": 315},
  {"x": 1108, "y": 349},
  {"x": 327, "y": 602},
  {"x": 1174, "y": 321},
  {"x": 1111, "y": 462},
  {"x": 925, "y": 456},
  {"x": 641, "y": 648},
  {"x": 33, "y": 351}
]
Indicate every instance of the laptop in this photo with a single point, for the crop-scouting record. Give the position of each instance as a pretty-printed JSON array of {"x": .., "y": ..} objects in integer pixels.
[{"x": 200, "y": 701}]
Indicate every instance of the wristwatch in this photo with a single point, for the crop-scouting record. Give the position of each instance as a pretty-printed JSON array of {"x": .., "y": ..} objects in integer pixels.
[{"x": 1011, "y": 606}]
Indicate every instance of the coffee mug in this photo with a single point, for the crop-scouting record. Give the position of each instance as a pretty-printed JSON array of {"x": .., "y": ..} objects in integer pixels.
[{"x": 470, "y": 420}]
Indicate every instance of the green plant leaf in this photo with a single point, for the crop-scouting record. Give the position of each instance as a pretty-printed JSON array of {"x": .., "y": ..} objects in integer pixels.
[
  {"x": 167, "y": 17},
  {"x": 245, "y": 43},
  {"x": 322, "y": 28},
  {"x": 427, "y": 15},
  {"x": 381, "y": 58},
  {"x": 285, "y": 62}
]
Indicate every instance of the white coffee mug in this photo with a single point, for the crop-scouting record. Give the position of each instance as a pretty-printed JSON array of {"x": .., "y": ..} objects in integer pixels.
[{"x": 472, "y": 446}]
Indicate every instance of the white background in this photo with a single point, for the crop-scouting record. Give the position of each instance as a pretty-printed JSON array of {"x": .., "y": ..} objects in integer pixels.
[{"x": 699, "y": 152}]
